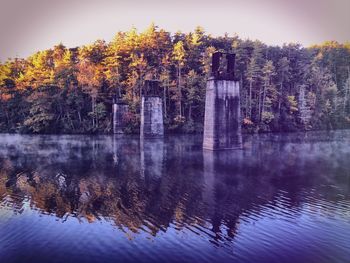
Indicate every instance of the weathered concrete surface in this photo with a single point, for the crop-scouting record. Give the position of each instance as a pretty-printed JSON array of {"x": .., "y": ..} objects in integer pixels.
[
  {"x": 151, "y": 117},
  {"x": 119, "y": 112},
  {"x": 222, "y": 122}
]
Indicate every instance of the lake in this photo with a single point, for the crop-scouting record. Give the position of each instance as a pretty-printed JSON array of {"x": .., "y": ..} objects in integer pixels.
[{"x": 77, "y": 198}]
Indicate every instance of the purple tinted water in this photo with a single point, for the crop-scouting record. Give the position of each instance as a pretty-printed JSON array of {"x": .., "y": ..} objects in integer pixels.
[{"x": 283, "y": 198}]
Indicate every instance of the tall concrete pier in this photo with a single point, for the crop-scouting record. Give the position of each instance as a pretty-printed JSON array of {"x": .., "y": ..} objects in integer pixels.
[
  {"x": 120, "y": 109},
  {"x": 152, "y": 125},
  {"x": 222, "y": 121}
]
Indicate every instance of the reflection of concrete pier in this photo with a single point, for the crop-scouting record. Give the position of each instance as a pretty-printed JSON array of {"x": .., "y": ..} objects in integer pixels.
[
  {"x": 223, "y": 189},
  {"x": 152, "y": 158},
  {"x": 218, "y": 166},
  {"x": 126, "y": 155},
  {"x": 151, "y": 112},
  {"x": 222, "y": 124}
]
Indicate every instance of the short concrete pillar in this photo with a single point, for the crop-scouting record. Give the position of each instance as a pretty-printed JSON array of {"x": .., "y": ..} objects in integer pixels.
[
  {"x": 222, "y": 121},
  {"x": 120, "y": 109},
  {"x": 152, "y": 125}
]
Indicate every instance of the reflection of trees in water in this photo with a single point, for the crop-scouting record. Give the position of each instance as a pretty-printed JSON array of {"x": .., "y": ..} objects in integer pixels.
[
  {"x": 89, "y": 183},
  {"x": 151, "y": 184}
]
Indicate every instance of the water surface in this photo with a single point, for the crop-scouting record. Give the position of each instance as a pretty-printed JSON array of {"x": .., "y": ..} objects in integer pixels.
[{"x": 283, "y": 198}]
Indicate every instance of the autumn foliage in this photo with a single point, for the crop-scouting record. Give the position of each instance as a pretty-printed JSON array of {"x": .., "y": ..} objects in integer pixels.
[{"x": 70, "y": 90}]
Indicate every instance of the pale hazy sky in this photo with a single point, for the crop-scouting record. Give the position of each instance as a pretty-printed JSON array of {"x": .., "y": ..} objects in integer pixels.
[{"x": 27, "y": 26}]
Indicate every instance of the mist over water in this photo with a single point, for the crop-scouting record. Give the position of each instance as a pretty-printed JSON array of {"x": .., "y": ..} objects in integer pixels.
[{"x": 74, "y": 198}]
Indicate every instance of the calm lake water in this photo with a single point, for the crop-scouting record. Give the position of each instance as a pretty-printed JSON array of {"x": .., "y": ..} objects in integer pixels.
[{"x": 283, "y": 198}]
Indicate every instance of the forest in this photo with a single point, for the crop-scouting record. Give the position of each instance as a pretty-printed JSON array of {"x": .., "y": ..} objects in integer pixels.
[{"x": 71, "y": 90}]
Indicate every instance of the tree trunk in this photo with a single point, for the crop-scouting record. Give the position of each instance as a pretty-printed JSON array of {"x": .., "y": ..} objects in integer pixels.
[
  {"x": 259, "y": 105},
  {"x": 345, "y": 100},
  {"x": 263, "y": 99},
  {"x": 250, "y": 99},
  {"x": 93, "y": 111},
  {"x": 246, "y": 97},
  {"x": 179, "y": 88},
  {"x": 140, "y": 84},
  {"x": 347, "y": 91},
  {"x": 280, "y": 97},
  {"x": 79, "y": 116},
  {"x": 164, "y": 98},
  {"x": 96, "y": 118},
  {"x": 70, "y": 121},
  {"x": 7, "y": 118}
]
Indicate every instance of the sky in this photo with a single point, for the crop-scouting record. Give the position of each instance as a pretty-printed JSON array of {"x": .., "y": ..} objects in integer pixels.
[{"x": 27, "y": 26}]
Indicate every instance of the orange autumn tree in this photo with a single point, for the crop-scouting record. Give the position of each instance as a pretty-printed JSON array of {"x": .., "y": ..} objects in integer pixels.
[{"x": 90, "y": 78}]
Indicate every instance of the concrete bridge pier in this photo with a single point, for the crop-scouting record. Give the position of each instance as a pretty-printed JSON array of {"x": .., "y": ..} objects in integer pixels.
[
  {"x": 152, "y": 125},
  {"x": 222, "y": 121},
  {"x": 120, "y": 109}
]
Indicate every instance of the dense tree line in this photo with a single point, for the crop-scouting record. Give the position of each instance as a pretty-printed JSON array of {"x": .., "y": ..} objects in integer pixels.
[{"x": 70, "y": 90}]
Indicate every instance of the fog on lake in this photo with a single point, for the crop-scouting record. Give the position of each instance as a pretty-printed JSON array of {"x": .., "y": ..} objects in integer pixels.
[{"x": 78, "y": 198}]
